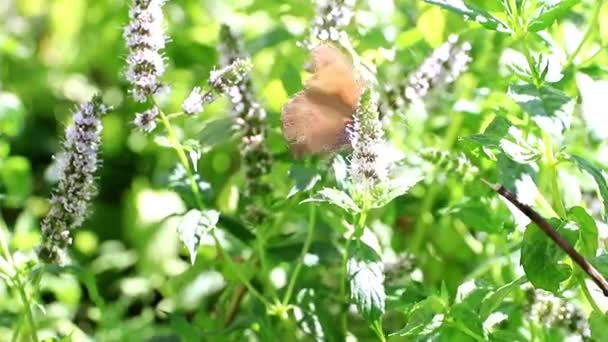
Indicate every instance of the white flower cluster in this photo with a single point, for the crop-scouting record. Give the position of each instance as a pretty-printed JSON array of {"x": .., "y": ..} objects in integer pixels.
[
  {"x": 146, "y": 120},
  {"x": 145, "y": 38},
  {"x": 444, "y": 65},
  {"x": 77, "y": 165},
  {"x": 369, "y": 162},
  {"x": 552, "y": 311},
  {"x": 194, "y": 103},
  {"x": 332, "y": 17}
]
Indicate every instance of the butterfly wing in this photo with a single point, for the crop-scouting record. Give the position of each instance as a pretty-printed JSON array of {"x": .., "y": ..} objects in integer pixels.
[{"x": 315, "y": 120}]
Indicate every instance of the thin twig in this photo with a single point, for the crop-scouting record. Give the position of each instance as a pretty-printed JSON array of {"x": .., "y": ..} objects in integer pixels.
[{"x": 554, "y": 235}]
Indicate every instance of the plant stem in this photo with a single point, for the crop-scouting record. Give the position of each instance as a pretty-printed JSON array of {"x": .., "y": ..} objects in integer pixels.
[
  {"x": 377, "y": 328},
  {"x": 556, "y": 197},
  {"x": 594, "y": 20},
  {"x": 17, "y": 281},
  {"x": 305, "y": 248},
  {"x": 235, "y": 270},
  {"x": 182, "y": 157},
  {"x": 28, "y": 308},
  {"x": 343, "y": 280},
  {"x": 542, "y": 224}
]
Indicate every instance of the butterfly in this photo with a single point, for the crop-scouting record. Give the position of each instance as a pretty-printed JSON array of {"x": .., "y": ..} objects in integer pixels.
[{"x": 316, "y": 119}]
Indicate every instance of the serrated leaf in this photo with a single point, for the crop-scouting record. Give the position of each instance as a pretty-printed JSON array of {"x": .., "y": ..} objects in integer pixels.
[
  {"x": 597, "y": 175},
  {"x": 549, "y": 12},
  {"x": 588, "y": 237},
  {"x": 336, "y": 197},
  {"x": 540, "y": 256},
  {"x": 305, "y": 179},
  {"x": 472, "y": 13},
  {"x": 194, "y": 225},
  {"x": 550, "y": 108},
  {"x": 306, "y": 316},
  {"x": 366, "y": 273}
]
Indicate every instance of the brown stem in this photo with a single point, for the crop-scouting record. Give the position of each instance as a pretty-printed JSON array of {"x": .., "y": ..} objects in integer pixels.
[{"x": 554, "y": 235}]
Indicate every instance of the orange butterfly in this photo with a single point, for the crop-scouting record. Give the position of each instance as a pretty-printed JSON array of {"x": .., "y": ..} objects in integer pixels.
[{"x": 315, "y": 120}]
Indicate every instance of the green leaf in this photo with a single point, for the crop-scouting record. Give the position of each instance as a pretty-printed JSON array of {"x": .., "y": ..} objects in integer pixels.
[
  {"x": 549, "y": 108},
  {"x": 473, "y": 13},
  {"x": 467, "y": 320},
  {"x": 336, "y": 197},
  {"x": 366, "y": 273},
  {"x": 598, "y": 322},
  {"x": 518, "y": 149},
  {"x": 475, "y": 215},
  {"x": 494, "y": 299},
  {"x": 397, "y": 186},
  {"x": 421, "y": 318},
  {"x": 306, "y": 316},
  {"x": 305, "y": 179},
  {"x": 12, "y": 114},
  {"x": 540, "y": 256},
  {"x": 183, "y": 328},
  {"x": 597, "y": 175},
  {"x": 292, "y": 82},
  {"x": 588, "y": 234},
  {"x": 195, "y": 224},
  {"x": 216, "y": 132},
  {"x": 268, "y": 39},
  {"x": 496, "y": 130},
  {"x": 549, "y": 12},
  {"x": 15, "y": 178}
]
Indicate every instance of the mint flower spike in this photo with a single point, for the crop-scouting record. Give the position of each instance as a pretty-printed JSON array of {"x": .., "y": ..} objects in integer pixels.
[
  {"x": 443, "y": 66},
  {"x": 332, "y": 16},
  {"x": 224, "y": 79},
  {"x": 369, "y": 162},
  {"x": 145, "y": 37},
  {"x": 78, "y": 162},
  {"x": 249, "y": 117}
]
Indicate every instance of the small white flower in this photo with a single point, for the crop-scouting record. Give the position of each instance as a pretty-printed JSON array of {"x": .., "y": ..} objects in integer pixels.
[
  {"x": 146, "y": 120},
  {"x": 194, "y": 102}
]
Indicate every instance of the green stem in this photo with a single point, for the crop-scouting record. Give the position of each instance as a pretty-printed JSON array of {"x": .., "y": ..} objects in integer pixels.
[
  {"x": 234, "y": 269},
  {"x": 28, "y": 308},
  {"x": 590, "y": 30},
  {"x": 552, "y": 174},
  {"x": 343, "y": 280},
  {"x": 588, "y": 296},
  {"x": 20, "y": 289},
  {"x": 377, "y": 328},
  {"x": 305, "y": 248},
  {"x": 179, "y": 149}
]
